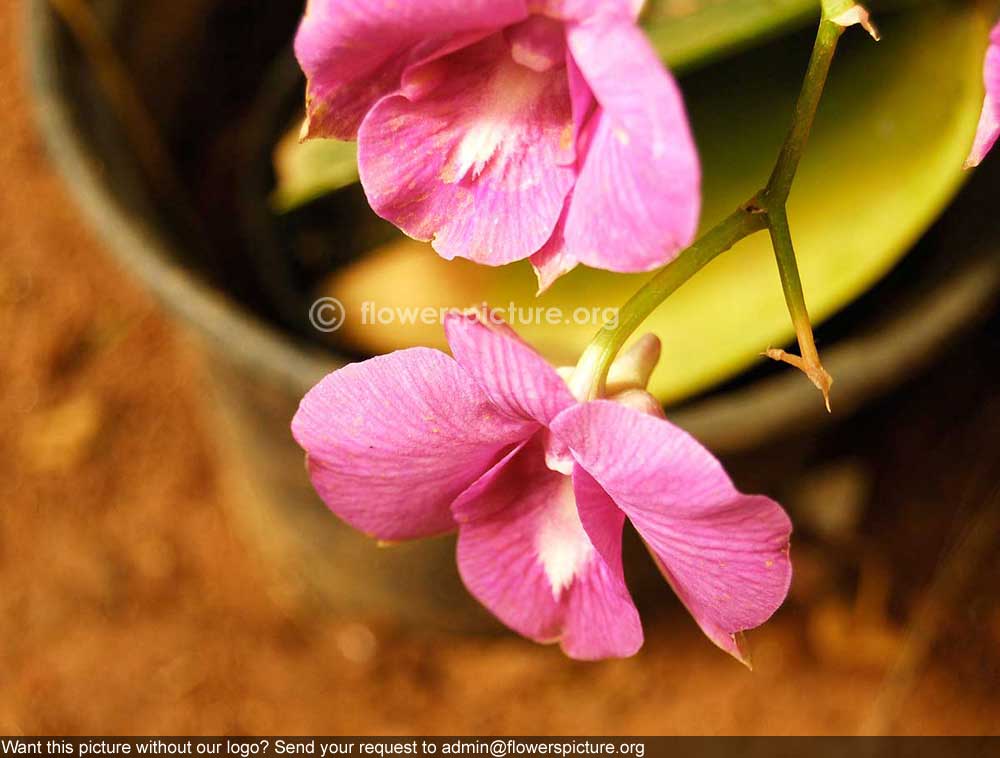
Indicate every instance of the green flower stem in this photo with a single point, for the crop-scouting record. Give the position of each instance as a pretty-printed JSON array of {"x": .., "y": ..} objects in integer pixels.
[
  {"x": 809, "y": 362},
  {"x": 592, "y": 370},
  {"x": 773, "y": 202},
  {"x": 780, "y": 183},
  {"x": 765, "y": 211},
  {"x": 788, "y": 270}
]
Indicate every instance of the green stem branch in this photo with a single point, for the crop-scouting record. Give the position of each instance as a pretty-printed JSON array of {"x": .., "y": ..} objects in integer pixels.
[
  {"x": 765, "y": 211},
  {"x": 780, "y": 184},
  {"x": 592, "y": 370},
  {"x": 788, "y": 269}
]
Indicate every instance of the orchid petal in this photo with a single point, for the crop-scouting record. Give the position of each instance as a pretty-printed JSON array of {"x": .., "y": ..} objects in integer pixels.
[
  {"x": 637, "y": 199},
  {"x": 602, "y": 620},
  {"x": 581, "y": 10},
  {"x": 392, "y": 441},
  {"x": 515, "y": 377},
  {"x": 724, "y": 553},
  {"x": 527, "y": 557},
  {"x": 471, "y": 503},
  {"x": 353, "y": 52},
  {"x": 583, "y": 104},
  {"x": 554, "y": 259},
  {"x": 474, "y": 163},
  {"x": 538, "y": 43},
  {"x": 989, "y": 121}
]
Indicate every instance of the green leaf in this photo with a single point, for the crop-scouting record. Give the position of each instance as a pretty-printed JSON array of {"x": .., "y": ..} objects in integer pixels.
[
  {"x": 688, "y": 33},
  {"x": 308, "y": 170},
  {"x": 692, "y": 33},
  {"x": 885, "y": 158}
]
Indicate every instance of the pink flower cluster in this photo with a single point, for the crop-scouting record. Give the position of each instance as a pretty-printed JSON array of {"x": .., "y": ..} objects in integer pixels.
[
  {"x": 509, "y": 129},
  {"x": 502, "y": 130},
  {"x": 493, "y": 444}
]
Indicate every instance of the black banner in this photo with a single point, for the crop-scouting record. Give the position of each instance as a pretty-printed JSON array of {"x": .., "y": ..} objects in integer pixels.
[{"x": 504, "y": 747}]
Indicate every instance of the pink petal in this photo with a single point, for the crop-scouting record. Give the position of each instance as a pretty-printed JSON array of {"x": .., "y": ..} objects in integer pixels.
[
  {"x": 602, "y": 520},
  {"x": 583, "y": 102},
  {"x": 989, "y": 122},
  {"x": 601, "y": 620},
  {"x": 724, "y": 553},
  {"x": 354, "y": 51},
  {"x": 391, "y": 441},
  {"x": 474, "y": 162},
  {"x": 580, "y": 10},
  {"x": 554, "y": 259},
  {"x": 471, "y": 504},
  {"x": 526, "y": 556},
  {"x": 515, "y": 377},
  {"x": 637, "y": 199},
  {"x": 538, "y": 43}
]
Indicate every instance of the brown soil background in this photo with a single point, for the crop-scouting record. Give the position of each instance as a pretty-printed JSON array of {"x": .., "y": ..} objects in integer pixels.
[{"x": 129, "y": 603}]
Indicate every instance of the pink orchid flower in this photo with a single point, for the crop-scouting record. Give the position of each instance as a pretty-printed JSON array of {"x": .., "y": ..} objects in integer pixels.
[
  {"x": 538, "y": 485},
  {"x": 989, "y": 122},
  {"x": 508, "y": 129}
]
